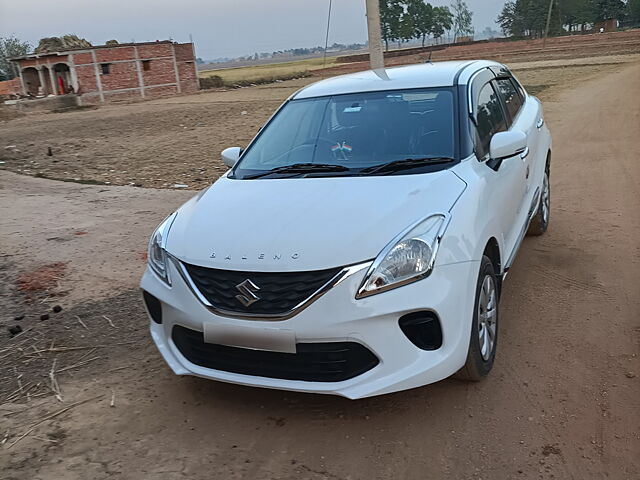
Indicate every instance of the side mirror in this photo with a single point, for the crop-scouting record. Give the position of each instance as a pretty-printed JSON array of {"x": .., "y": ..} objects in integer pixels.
[
  {"x": 231, "y": 155},
  {"x": 507, "y": 144}
]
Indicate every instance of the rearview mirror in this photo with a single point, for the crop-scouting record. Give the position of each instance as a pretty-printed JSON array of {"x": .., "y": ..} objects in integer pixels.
[
  {"x": 231, "y": 155},
  {"x": 507, "y": 144}
]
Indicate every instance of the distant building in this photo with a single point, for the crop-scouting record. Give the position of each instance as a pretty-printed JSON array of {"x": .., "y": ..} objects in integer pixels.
[
  {"x": 10, "y": 88},
  {"x": 108, "y": 73},
  {"x": 610, "y": 25}
]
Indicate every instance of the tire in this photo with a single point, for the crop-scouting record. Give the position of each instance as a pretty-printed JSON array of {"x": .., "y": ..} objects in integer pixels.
[
  {"x": 484, "y": 328},
  {"x": 540, "y": 222}
]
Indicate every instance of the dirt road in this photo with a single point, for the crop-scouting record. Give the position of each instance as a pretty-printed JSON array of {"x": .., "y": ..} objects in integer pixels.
[
  {"x": 562, "y": 401},
  {"x": 178, "y": 140}
]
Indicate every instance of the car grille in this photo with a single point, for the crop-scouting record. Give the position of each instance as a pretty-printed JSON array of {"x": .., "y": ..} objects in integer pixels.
[
  {"x": 312, "y": 362},
  {"x": 279, "y": 292}
]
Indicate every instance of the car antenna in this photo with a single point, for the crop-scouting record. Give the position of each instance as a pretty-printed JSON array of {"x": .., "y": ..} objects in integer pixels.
[{"x": 429, "y": 59}]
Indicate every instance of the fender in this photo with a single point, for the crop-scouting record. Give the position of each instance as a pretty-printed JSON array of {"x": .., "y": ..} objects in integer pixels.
[{"x": 472, "y": 223}]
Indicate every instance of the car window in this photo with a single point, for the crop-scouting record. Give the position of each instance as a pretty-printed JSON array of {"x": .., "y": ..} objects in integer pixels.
[
  {"x": 356, "y": 131},
  {"x": 490, "y": 119},
  {"x": 519, "y": 88},
  {"x": 510, "y": 96}
]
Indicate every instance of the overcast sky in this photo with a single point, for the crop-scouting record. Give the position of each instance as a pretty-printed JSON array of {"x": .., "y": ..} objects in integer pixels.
[{"x": 220, "y": 28}]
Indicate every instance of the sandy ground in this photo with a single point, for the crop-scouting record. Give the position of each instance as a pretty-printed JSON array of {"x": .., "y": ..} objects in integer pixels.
[
  {"x": 562, "y": 401},
  {"x": 177, "y": 141}
]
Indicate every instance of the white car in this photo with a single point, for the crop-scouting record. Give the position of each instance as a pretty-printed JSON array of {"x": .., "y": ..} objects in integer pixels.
[{"x": 358, "y": 245}]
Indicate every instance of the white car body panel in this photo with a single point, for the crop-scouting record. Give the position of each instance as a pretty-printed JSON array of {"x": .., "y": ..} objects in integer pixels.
[
  {"x": 337, "y": 316},
  {"x": 332, "y": 223},
  {"x": 426, "y": 75},
  {"x": 311, "y": 224}
]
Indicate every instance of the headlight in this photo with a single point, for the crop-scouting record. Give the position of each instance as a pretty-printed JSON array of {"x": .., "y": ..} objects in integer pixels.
[
  {"x": 408, "y": 258},
  {"x": 157, "y": 256}
]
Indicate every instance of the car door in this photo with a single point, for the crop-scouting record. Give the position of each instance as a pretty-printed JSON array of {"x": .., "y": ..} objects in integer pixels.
[
  {"x": 506, "y": 179},
  {"x": 524, "y": 117}
]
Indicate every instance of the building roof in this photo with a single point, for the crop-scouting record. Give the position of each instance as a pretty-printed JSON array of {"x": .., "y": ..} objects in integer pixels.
[
  {"x": 93, "y": 47},
  {"x": 424, "y": 75}
]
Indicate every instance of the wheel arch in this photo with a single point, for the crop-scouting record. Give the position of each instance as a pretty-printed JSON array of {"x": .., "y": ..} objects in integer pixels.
[
  {"x": 547, "y": 166},
  {"x": 492, "y": 251}
]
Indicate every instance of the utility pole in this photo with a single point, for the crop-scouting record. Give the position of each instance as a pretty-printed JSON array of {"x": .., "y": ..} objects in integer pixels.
[
  {"x": 546, "y": 30},
  {"x": 376, "y": 57},
  {"x": 326, "y": 40}
]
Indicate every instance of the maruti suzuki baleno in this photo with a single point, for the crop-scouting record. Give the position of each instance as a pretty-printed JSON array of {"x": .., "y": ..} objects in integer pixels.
[{"x": 358, "y": 245}]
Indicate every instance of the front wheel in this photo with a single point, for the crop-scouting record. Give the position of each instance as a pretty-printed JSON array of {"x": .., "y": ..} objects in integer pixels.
[
  {"x": 540, "y": 222},
  {"x": 484, "y": 328}
]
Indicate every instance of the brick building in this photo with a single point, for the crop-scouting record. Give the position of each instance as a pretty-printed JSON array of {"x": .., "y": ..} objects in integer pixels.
[{"x": 106, "y": 73}]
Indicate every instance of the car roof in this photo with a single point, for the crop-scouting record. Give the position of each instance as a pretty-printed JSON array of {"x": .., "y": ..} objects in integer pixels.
[{"x": 424, "y": 75}]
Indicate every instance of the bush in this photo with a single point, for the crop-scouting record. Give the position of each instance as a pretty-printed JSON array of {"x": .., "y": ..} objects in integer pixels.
[
  {"x": 214, "y": 81},
  {"x": 268, "y": 79}
]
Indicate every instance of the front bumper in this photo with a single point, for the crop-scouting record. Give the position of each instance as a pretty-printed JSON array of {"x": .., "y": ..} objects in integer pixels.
[{"x": 338, "y": 317}]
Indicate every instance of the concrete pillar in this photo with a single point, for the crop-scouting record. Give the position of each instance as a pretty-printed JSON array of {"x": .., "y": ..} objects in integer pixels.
[
  {"x": 376, "y": 57},
  {"x": 139, "y": 71},
  {"x": 22, "y": 84},
  {"x": 52, "y": 77},
  {"x": 41, "y": 80},
  {"x": 97, "y": 73},
  {"x": 175, "y": 68},
  {"x": 72, "y": 72}
]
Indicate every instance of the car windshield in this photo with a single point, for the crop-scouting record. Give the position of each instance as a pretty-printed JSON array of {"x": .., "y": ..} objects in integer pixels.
[{"x": 355, "y": 134}]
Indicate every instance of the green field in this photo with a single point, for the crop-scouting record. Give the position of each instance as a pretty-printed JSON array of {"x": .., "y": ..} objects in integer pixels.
[{"x": 269, "y": 72}]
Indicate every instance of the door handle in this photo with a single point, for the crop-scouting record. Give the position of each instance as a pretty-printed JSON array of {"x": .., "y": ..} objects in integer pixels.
[
  {"x": 525, "y": 153},
  {"x": 540, "y": 123}
]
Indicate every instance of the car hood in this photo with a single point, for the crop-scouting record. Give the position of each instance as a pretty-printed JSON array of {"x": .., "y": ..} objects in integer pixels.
[{"x": 298, "y": 224}]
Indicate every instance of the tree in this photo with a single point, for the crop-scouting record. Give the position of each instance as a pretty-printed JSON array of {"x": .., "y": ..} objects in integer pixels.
[
  {"x": 391, "y": 12},
  {"x": 421, "y": 15},
  {"x": 462, "y": 19},
  {"x": 608, "y": 9},
  {"x": 57, "y": 44},
  {"x": 489, "y": 33},
  {"x": 524, "y": 18},
  {"x": 507, "y": 20},
  {"x": 112, "y": 42},
  {"x": 575, "y": 13},
  {"x": 11, "y": 46},
  {"x": 442, "y": 21},
  {"x": 633, "y": 11}
]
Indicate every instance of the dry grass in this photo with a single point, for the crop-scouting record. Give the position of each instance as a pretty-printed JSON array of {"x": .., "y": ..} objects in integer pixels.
[
  {"x": 268, "y": 73},
  {"x": 542, "y": 81}
]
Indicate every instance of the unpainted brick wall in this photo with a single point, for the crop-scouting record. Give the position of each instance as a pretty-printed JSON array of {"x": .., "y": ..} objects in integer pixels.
[
  {"x": 160, "y": 91},
  {"x": 154, "y": 51},
  {"x": 82, "y": 58},
  {"x": 124, "y": 96},
  {"x": 121, "y": 75},
  {"x": 123, "y": 70},
  {"x": 188, "y": 77},
  {"x": 86, "y": 79},
  {"x": 106, "y": 55},
  {"x": 160, "y": 72},
  {"x": 10, "y": 87}
]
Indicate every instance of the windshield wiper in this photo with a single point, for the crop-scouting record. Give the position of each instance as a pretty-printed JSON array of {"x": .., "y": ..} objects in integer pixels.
[
  {"x": 300, "y": 168},
  {"x": 404, "y": 164}
]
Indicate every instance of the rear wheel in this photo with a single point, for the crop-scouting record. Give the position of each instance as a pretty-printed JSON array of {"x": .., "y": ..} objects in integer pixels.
[
  {"x": 540, "y": 222},
  {"x": 484, "y": 328}
]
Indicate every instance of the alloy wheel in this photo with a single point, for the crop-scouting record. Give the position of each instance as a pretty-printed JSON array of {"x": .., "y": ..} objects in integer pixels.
[
  {"x": 546, "y": 199},
  {"x": 487, "y": 316}
]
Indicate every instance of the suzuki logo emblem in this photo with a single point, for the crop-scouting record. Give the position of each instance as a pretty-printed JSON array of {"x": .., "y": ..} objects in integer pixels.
[{"x": 247, "y": 291}]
